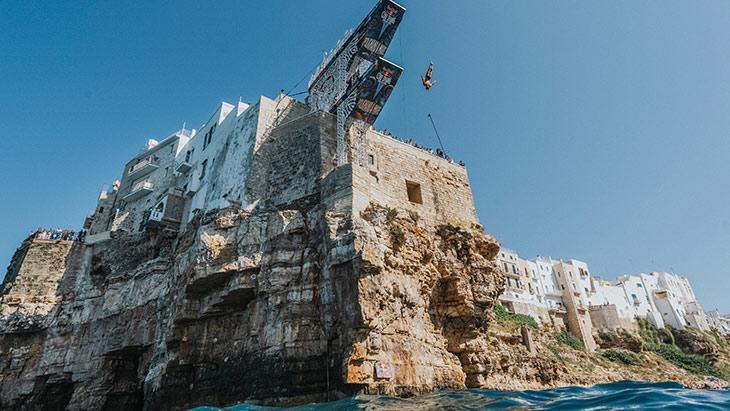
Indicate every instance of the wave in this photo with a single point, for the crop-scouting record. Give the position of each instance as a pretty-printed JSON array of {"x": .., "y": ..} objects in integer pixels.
[{"x": 620, "y": 395}]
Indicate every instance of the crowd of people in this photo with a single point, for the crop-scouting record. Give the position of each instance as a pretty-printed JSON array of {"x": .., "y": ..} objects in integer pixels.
[
  {"x": 438, "y": 152},
  {"x": 58, "y": 235}
]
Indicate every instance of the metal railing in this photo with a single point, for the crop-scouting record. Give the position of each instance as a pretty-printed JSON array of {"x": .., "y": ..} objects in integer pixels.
[
  {"x": 146, "y": 162},
  {"x": 142, "y": 185}
]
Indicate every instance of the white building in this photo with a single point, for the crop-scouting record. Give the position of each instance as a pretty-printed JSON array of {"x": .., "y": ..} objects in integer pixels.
[
  {"x": 521, "y": 294},
  {"x": 191, "y": 172},
  {"x": 549, "y": 291},
  {"x": 719, "y": 322},
  {"x": 566, "y": 293}
]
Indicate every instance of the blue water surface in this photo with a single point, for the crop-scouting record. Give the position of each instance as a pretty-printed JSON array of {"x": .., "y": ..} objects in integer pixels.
[{"x": 620, "y": 395}]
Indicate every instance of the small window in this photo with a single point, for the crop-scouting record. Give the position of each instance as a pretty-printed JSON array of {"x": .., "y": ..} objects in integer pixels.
[
  {"x": 101, "y": 209},
  {"x": 371, "y": 159},
  {"x": 202, "y": 171},
  {"x": 414, "y": 192}
]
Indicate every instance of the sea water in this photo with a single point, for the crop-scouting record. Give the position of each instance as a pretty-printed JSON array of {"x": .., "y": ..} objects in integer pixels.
[{"x": 620, "y": 395}]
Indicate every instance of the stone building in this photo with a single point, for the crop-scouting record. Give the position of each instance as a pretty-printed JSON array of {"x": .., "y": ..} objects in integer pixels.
[
  {"x": 149, "y": 183},
  {"x": 304, "y": 278}
]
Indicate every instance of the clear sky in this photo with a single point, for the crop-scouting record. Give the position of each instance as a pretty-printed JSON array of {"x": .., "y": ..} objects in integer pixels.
[{"x": 595, "y": 130}]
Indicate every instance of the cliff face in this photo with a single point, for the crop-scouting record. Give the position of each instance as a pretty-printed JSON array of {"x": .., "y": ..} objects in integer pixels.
[
  {"x": 314, "y": 291},
  {"x": 281, "y": 305},
  {"x": 626, "y": 356},
  {"x": 29, "y": 286}
]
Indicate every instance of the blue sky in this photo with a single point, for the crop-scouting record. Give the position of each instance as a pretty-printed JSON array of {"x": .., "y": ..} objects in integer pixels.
[{"x": 591, "y": 129}]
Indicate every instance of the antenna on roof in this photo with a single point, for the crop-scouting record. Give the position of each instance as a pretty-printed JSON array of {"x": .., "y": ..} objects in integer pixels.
[{"x": 184, "y": 124}]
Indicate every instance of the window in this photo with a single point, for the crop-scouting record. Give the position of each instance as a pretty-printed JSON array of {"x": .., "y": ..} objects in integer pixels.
[
  {"x": 639, "y": 285},
  {"x": 188, "y": 156},
  {"x": 506, "y": 269},
  {"x": 514, "y": 269},
  {"x": 202, "y": 171},
  {"x": 167, "y": 171},
  {"x": 371, "y": 159},
  {"x": 101, "y": 209},
  {"x": 208, "y": 137},
  {"x": 414, "y": 192}
]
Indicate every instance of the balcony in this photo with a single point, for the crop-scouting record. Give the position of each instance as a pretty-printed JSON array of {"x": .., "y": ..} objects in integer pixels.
[
  {"x": 184, "y": 167},
  {"x": 156, "y": 215},
  {"x": 143, "y": 168},
  {"x": 140, "y": 190}
]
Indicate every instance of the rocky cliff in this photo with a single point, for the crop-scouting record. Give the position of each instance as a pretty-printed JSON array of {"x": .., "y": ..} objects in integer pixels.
[
  {"x": 277, "y": 305},
  {"x": 371, "y": 277}
]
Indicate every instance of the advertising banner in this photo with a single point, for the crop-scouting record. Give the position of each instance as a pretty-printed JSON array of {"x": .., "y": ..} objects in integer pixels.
[
  {"x": 355, "y": 56},
  {"x": 373, "y": 91}
]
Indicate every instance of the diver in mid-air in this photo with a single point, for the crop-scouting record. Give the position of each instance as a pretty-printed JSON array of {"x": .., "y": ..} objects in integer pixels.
[{"x": 426, "y": 80}]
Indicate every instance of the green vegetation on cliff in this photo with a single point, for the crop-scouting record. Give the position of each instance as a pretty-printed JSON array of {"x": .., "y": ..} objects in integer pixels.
[
  {"x": 664, "y": 343},
  {"x": 570, "y": 340},
  {"x": 507, "y": 318},
  {"x": 621, "y": 356}
]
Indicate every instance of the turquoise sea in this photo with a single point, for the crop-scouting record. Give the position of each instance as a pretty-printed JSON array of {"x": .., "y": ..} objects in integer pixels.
[{"x": 621, "y": 395}]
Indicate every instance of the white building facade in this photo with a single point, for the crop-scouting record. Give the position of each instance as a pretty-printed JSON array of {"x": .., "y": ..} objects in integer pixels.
[{"x": 564, "y": 293}]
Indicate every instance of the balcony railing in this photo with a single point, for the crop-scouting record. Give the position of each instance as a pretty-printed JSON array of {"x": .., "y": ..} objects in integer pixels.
[
  {"x": 184, "y": 167},
  {"x": 144, "y": 167},
  {"x": 139, "y": 190}
]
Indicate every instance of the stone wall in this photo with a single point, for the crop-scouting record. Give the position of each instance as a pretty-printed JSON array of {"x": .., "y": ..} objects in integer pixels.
[
  {"x": 445, "y": 192},
  {"x": 31, "y": 281},
  {"x": 606, "y": 317},
  {"x": 104, "y": 213}
]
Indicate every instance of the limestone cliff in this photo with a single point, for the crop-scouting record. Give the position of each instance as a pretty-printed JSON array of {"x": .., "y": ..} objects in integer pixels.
[
  {"x": 699, "y": 360},
  {"x": 280, "y": 305}
]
